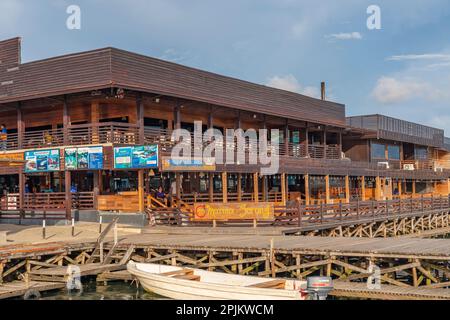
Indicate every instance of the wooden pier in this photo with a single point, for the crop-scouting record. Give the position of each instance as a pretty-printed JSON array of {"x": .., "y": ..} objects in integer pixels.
[
  {"x": 20, "y": 288},
  {"x": 405, "y": 263}
]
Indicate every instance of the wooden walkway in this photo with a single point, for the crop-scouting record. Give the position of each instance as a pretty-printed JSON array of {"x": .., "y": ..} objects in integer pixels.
[
  {"x": 20, "y": 288},
  {"x": 380, "y": 247},
  {"x": 387, "y": 292},
  {"x": 59, "y": 274}
]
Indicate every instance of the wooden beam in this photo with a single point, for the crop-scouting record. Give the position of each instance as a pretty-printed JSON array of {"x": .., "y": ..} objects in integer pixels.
[
  {"x": 377, "y": 188},
  {"x": 239, "y": 187},
  {"x": 68, "y": 186},
  {"x": 327, "y": 189},
  {"x": 347, "y": 189},
  {"x": 225, "y": 187},
  {"x": 307, "y": 194},
  {"x": 211, "y": 186},
  {"x": 283, "y": 189},
  {"x": 20, "y": 126},
  {"x": 141, "y": 193},
  {"x": 363, "y": 188},
  {"x": 140, "y": 117},
  {"x": 256, "y": 186},
  {"x": 66, "y": 121}
]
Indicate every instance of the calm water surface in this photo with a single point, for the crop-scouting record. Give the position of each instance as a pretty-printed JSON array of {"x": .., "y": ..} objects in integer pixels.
[{"x": 115, "y": 290}]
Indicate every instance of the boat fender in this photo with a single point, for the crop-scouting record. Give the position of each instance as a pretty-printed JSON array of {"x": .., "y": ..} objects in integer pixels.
[{"x": 32, "y": 295}]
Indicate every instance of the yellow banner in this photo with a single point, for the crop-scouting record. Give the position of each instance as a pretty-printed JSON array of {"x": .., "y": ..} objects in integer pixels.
[
  {"x": 11, "y": 157},
  {"x": 170, "y": 164},
  {"x": 233, "y": 211}
]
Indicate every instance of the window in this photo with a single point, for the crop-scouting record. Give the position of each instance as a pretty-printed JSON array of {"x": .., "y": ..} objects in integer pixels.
[
  {"x": 378, "y": 151},
  {"x": 394, "y": 152},
  {"x": 420, "y": 153}
]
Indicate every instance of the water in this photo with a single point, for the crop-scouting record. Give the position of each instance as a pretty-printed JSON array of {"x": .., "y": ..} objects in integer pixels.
[{"x": 115, "y": 290}]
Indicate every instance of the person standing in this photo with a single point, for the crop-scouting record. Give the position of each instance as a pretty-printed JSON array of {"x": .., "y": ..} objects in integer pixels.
[{"x": 3, "y": 137}]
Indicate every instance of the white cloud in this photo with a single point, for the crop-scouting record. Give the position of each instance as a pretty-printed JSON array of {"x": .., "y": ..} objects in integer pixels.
[
  {"x": 426, "y": 56},
  {"x": 345, "y": 36},
  {"x": 390, "y": 90},
  {"x": 290, "y": 83}
]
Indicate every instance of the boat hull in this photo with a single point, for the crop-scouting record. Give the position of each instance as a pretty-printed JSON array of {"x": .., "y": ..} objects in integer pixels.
[{"x": 180, "y": 289}]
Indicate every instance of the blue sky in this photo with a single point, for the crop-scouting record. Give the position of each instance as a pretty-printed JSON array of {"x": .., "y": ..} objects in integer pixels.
[{"x": 402, "y": 70}]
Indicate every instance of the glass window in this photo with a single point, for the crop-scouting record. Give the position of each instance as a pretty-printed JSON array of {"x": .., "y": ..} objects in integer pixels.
[
  {"x": 394, "y": 152},
  {"x": 378, "y": 151},
  {"x": 421, "y": 153}
]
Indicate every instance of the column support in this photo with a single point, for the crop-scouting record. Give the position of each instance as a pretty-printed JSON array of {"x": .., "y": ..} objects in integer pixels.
[
  {"x": 347, "y": 189},
  {"x": 225, "y": 187},
  {"x": 327, "y": 189},
  {"x": 256, "y": 187},
  {"x": 307, "y": 194}
]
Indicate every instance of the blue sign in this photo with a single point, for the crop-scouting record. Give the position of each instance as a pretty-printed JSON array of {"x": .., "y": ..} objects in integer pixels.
[
  {"x": 42, "y": 160},
  {"x": 138, "y": 157}
]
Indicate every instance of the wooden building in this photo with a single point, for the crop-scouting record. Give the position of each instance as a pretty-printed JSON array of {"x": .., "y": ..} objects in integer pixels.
[{"x": 83, "y": 122}]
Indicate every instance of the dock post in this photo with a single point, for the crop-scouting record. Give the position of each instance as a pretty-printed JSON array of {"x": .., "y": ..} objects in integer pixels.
[
  {"x": 100, "y": 225},
  {"x": 43, "y": 229},
  {"x": 115, "y": 233},
  {"x": 73, "y": 227}
]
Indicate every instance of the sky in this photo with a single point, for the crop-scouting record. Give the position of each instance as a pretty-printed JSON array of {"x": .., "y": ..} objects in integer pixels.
[{"x": 401, "y": 70}]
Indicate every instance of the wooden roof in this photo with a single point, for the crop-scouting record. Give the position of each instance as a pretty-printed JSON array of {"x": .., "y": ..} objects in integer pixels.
[{"x": 110, "y": 67}]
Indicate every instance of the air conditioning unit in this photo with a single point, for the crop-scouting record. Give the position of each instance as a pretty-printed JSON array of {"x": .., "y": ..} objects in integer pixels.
[
  {"x": 408, "y": 166},
  {"x": 384, "y": 165},
  {"x": 438, "y": 169}
]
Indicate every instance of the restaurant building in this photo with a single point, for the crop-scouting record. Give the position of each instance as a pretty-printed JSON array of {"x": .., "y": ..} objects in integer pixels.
[{"x": 92, "y": 131}]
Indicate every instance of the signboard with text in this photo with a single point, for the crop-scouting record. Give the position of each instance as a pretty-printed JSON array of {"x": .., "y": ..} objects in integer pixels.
[
  {"x": 42, "y": 160},
  {"x": 137, "y": 157},
  {"x": 179, "y": 164},
  {"x": 83, "y": 158},
  {"x": 233, "y": 211}
]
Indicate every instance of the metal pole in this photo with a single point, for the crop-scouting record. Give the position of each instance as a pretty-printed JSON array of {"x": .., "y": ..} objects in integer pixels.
[{"x": 73, "y": 227}]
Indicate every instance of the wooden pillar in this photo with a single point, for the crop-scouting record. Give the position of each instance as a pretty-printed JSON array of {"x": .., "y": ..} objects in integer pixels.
[
  {"x": 307, "y": 140},
  {"x": 363, "y": 188},
  {"x": 283, "y": 189},
  {"x": 141, "y": 193},
  {"x": 22, "y": 179},
  {"x": 96, "y": 191},
  {"x": 178, "y": 187},
  {"x": 286, "y": 138},
  {"x": 20, "y": 126},
  {"x": 340, "y": 144},
  {"x": 66, "y": 122},
  {"x": 391, "y": 192},
  {"x": 347, "y": 189},
  {"x": 68, "y": 186},
  {"x": 95, "y": 118},
  {"x": 140, "y": 118},
  {"x": 377, "y": 188},
  {"x": 448, "y": 186},
  {"x": 177, "y": 117},
  {"x": 256, "y": 186},
  {"x": 327, "y": 189},
  {"x": 224, "y": 187},
  {"x": 239, "y": 187},
  {"x": 413, "y": 182},
  {"x": 307, "y": 195},
  {"x": 211, "y": 187},
  {"x": 265, "y": 190}
]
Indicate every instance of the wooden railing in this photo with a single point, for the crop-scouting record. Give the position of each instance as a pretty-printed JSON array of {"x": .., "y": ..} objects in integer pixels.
[
  {"x": 43, "y": 205},
  {"x": 358, "y": 212}
]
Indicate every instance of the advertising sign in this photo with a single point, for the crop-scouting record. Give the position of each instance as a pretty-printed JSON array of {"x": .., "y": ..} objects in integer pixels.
[
  {"x": 138, "y": 157},
  {"x": 233, "y": 211},
  {"x": 174, "y": 164},
  {"x": 42, "y": 160},
  {"x": 84, "y": 158}
]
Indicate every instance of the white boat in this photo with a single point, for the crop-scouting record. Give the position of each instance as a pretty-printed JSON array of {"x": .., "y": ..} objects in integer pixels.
[{"x": 194, "y": 284}]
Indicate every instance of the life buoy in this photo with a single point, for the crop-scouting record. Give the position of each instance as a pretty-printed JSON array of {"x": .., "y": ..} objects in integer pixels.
[{"x": 31, "y": 295}]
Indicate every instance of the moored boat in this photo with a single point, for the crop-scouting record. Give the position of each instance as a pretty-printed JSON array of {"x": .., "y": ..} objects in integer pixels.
[{"x": 194, "y": 284}]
